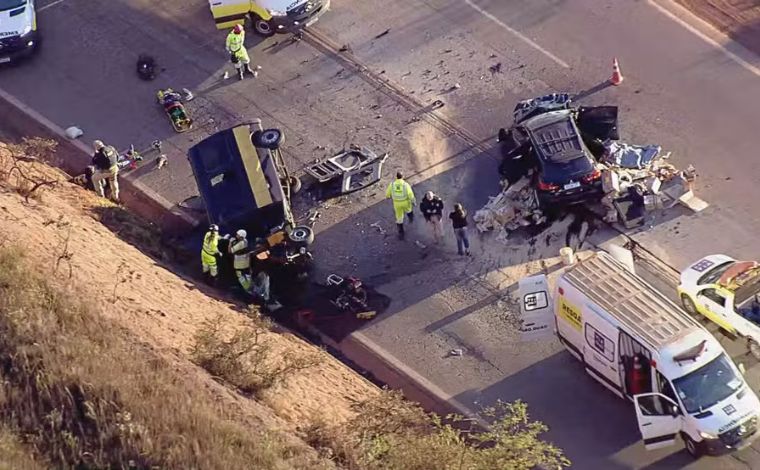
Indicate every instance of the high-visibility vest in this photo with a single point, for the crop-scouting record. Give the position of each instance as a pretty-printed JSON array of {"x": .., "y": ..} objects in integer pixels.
[
  {"x": 399, "y": 191},
  {"x": 242, "y": 259},
  {"x": 235, "y": 41},
  {"x": 211, "y": 243}
]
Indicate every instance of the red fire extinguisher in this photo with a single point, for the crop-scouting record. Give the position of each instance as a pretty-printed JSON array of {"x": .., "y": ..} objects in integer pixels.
[{"x": 637, "y": 379}]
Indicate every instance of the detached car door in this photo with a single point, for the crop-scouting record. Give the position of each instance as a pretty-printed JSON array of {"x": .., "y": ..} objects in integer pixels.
[{"x": 659, "y": 419}]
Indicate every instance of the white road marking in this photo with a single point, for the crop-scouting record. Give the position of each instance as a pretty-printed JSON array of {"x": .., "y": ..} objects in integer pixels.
[
  {"x": 45, "y": 7},
  {"x": 521, "y": 36},
  {"x": 741, "y": 62}
]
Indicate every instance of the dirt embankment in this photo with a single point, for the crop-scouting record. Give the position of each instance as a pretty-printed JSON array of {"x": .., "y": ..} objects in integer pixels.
[
  {"x": 740, "y": 19},
  {"x": 150, "y": 318}
]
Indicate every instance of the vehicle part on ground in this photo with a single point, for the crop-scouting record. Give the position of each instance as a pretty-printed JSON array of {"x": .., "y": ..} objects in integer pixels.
[
  {"x": 354, "y": 169},
  {"x": 301, "y": 234}
]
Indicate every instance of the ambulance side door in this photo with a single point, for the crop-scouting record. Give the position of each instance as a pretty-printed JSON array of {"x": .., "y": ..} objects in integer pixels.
[{"x": 659, "y": 419}]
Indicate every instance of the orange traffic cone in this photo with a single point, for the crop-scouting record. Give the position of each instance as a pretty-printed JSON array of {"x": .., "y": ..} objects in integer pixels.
[{"x": 617, "y": 77}]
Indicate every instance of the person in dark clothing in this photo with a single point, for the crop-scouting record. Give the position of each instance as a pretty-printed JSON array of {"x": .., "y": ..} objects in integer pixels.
[
  {"x": 105, "y": 160},
  {"x": 432, "y": 209},
  {"x": 459, "y": 222}
]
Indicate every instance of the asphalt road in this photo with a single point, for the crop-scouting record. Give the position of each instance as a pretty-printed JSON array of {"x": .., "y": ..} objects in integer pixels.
[{"x": 679, "y": 91}]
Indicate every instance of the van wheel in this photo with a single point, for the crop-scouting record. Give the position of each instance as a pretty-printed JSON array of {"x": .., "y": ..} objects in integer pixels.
[
  {"x": 302, "y": 234},
  {"x": 262, "y": 27},
  {"x": 754, "y": 348},
  {"x": 688, "y": 305},
  {"x": 692, "y": 447},
  {"x": 268, "y": 138}
]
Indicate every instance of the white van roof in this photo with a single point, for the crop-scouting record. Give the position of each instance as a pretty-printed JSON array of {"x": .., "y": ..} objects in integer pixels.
[{"x": 642, "y": 309}]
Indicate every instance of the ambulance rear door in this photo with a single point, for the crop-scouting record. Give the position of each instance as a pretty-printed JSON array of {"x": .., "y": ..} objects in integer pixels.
[{"x": 228, "y": 13}]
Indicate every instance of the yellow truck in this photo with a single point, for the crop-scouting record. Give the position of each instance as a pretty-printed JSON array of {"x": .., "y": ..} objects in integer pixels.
[{"x": 268, "y": 16}]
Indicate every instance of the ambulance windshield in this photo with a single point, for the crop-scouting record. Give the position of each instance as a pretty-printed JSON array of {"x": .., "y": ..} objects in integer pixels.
[{"x": 708, "y": 385}]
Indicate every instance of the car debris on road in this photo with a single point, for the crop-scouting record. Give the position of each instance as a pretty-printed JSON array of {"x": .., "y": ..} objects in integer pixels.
[{"x": 556, "y": 156}]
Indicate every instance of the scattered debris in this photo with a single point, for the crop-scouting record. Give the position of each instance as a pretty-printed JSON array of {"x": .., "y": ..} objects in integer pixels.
[
  {"x": 495, "y": 68},
  {"x": 355, "y": 169},
  {"x": 420, "y": 245},
  {"x": 162, "y": 161},
  {"x": 345, "y": 48},
  {"x": 188, "y": 95},
  {"x": 456, "y": 352},
  {"x": 383, "y": 33},
  {"x": 73, "y": 132},
  {"x": 377, "y": 226}
]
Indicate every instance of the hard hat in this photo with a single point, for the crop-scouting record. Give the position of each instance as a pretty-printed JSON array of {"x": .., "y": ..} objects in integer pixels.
[
  {"x": 241, "y": 233},
  {"x": 98, "y": 144},
  {"x": 214, "y": 228},
  {"x": 237, "y": 29}
]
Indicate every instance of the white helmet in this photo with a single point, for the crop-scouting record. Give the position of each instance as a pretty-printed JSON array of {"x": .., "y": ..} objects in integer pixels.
[
  {"x": 98, "y": 144},
  {"x": 241, "y": 233},
  {"x": 214, "y": 228}
]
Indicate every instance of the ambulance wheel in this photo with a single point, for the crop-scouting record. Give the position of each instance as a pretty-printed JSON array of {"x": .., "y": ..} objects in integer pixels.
[
  {"x": 262, "y": 27},
  {"x": 268, "y": 138},
  {"x": 295, "y": 184},
  {"x": 688, "y": 305},
  {"x": 692, "y": 447},
  {"x": 302, "y": 234},
  {"x": 754, "y": 348}
]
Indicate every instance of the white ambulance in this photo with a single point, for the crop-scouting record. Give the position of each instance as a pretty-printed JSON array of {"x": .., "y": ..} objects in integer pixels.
[
  {"x": 18, "y": 29},
  {"x": 268, "y": 16},
  {"x": 644, "y": 348}
]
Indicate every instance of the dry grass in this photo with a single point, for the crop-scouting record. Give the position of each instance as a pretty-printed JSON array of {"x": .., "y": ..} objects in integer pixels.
[
  {"x": 84, "y": 393},
  {"x": 391, "y": 433},
  {"x": 244, "y": 358},
  {"x": 14, "y": 455}
]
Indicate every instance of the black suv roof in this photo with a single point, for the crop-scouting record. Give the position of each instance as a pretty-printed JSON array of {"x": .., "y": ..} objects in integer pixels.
[{"x": 555, "y": 136}]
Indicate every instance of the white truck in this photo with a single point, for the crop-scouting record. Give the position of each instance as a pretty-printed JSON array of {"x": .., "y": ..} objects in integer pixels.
[
  {"x": 641, "y": 346},
  {"x": 268, "y": 16}
]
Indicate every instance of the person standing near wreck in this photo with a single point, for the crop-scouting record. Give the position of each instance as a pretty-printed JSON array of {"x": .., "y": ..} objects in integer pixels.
[
  {"x": 400, "y": 192},
  {"x": 432, "y": 209},
  {"x": 459, "y": 222}
]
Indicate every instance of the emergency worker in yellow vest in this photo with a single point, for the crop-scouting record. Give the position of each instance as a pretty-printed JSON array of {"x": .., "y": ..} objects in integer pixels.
[
  {"x": 241, "y": 260},
  {"x": 400, "y": 192},
  {"x": 209, "y": 252},
  {"x": 238, "y": 53}
]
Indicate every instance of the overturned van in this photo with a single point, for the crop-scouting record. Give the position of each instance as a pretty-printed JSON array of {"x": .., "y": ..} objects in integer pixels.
[{"x": 641, "y": 346}]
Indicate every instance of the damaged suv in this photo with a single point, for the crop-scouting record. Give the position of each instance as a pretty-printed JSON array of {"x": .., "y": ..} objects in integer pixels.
[{"x": 551, "y": 139}]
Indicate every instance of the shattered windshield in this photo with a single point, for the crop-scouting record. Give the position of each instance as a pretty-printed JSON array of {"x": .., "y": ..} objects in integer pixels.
[
  {"x": 10, "y": 4},
  {"x": 708, "y": 385}
]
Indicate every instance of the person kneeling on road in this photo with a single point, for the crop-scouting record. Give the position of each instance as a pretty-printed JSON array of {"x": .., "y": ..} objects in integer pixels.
[
  {"x": 106, "y": 163},
  {"x": 241, "y": 261}
]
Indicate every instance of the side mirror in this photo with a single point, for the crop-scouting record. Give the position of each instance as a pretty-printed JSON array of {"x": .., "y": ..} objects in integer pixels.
[
  {"x": 675, "y": 411},
  {"x": 742, "y": 369}
]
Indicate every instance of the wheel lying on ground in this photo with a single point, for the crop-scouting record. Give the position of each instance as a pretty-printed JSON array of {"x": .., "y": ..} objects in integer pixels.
[
  {"x": 262, "y": 27},
  {"x": 268, "y": 138},
  {"x": 301, "y": 234}
]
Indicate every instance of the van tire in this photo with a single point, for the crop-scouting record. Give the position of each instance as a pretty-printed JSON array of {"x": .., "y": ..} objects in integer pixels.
[
  {"x": 268, "y": 138},
  {"x": 262, "y": 27},
  {"x": 301, "y": 234},
  {"x": 295, "y": 184},
  {"x": 693, "y": 448}
]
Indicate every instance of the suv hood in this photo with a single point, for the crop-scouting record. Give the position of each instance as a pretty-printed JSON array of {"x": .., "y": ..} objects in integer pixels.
[{"x": 16, "y": 21}]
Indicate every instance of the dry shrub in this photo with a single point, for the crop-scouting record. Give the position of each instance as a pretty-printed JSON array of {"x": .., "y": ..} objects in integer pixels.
[
  {"x": 84, "y": 393},
  {"x": 20, "y": 166},
  {"x": 392, "y": 433},
  {"x": 245, "y": 358}
]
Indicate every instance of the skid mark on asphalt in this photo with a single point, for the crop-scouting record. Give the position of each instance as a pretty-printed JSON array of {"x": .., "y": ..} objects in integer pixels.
[
  {"x": 741, "y": 62},
  {"x": 45, "y": 7},
  {"x": 518, "y": 34}
]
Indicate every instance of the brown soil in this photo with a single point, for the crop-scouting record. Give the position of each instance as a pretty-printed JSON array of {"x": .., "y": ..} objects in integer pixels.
[
  {"x": 59, "y": 228},
  {"x": 740, "y": 19}
]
